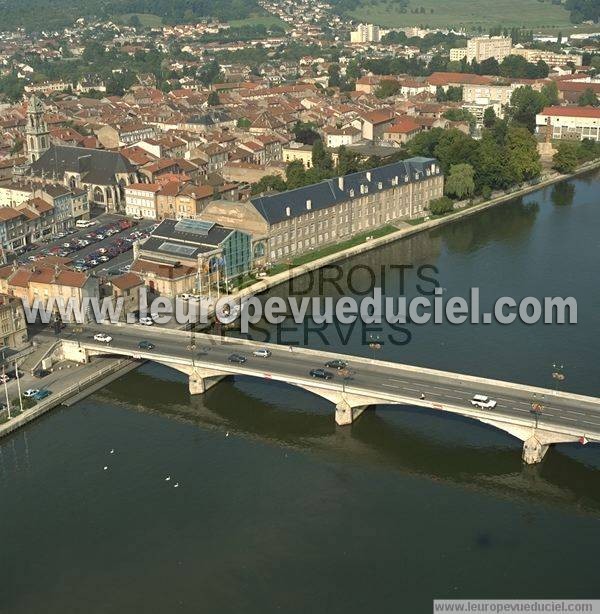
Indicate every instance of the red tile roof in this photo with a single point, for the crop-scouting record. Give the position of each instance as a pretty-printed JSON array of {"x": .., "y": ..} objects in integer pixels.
[{"x": 591, "y": 112}]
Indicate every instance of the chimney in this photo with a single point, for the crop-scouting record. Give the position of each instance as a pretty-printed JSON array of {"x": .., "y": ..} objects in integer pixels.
[{"x": 341, "y": 183}]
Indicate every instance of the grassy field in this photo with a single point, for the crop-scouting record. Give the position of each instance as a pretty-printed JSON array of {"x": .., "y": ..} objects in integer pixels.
[
  {"x": 255, "y": 20},
  {"x": 148, "y": 20},
  {"x": 468, "y": 14}
]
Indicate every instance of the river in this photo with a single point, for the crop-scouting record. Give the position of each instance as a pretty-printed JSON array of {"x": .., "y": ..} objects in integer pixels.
[{"x": 276, "y": 509}]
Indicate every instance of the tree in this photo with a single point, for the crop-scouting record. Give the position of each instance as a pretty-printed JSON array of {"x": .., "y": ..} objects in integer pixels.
[
  {"x": 334, "y": 75},
  {"x": 489, "y": 66},
  {"x": 523, "y": 154},
  {"x": 244, "y": 123},
  {"x": 441, "y": 206},
  {"x": 269, "y": 183},
  {"x": 424, "y": 143},
  {"x": 305, "y": 133},
  {"x": 525, "y": 104},
  {"x": 213, "y": 99},
  {"x": 387, "y": 87},
  {"x": 295, "y": 175},
  {"x": 565, "y": 159},
  {"x": 588, "y": 98},
  {"x": 209, "y": 72},
  {"x": 353, "y": 71},
  {"x": 347, "y": 162},
  {"x": 492, "y": 167},
  {"x": 460, "y": 181},
  {"x": 455, "y": 147},
  {"x": 489, "y": 117},
  {"x": 550, "y": 93},
  {"x": 134, "y": 22},
  {"x": 321, "y": 158}
]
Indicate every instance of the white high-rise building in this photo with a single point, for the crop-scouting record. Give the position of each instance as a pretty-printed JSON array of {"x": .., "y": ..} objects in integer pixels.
[{"x": 365, "y": 33}]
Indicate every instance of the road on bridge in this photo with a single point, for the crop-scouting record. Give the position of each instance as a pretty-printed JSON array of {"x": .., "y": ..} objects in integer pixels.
[{"x": 574, "y": 412}]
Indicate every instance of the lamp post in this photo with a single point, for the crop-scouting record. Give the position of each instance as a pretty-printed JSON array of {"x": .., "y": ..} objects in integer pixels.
[
  {"x": 346, "y": 376},
  {"x": 537, "y": 407},
  {"x": 4, "y": 379},
  {"x": 375, "y": 343}
]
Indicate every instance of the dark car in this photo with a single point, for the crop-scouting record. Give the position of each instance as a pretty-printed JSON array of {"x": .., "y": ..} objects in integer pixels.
[
  {"x": 237, "y": 358},
  {"x": 336, "y": 364},
  {"x": 321, "y": 374},
  {"x": 42, "y": 394},
  {"x": 39, "y": 373},
  {"x": 146, "y": 345}
]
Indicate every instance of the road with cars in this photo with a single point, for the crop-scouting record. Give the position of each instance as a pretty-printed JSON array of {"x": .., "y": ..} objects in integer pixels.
[{"x": 383, "y": 380}]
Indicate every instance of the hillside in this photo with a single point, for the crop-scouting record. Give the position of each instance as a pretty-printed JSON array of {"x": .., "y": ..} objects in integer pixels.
[
  {"x": 56, "y": 14},
  {"x": 469, "y": 14}
]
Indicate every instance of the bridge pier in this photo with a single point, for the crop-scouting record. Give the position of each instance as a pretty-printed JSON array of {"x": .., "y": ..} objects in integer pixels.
[
  {"x": 345, "y": 414},
  {"x": 201, "y": 380},
  {"x": 534, "y": 451}
]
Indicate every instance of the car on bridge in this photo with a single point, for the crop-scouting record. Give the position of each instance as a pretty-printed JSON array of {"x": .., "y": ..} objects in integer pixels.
[
  {"x": 102, "y": 337},
  {"x": 483, "y": 402},
  {"x": 146, "y": 345},
  {"x": 262, "y": 353},
  {"x": 336, "y": 364},
  {"x": 321, "y": 374},
  {"x": 30, "y": 392},
  {"x": 237, "y": 358}
]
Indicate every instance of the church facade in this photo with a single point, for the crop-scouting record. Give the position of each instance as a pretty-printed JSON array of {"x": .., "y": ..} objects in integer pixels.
[{"x": 104, "y": 175}]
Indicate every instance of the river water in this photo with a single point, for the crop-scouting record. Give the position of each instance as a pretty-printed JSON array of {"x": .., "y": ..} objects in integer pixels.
[{"x": 276, "y": 509}]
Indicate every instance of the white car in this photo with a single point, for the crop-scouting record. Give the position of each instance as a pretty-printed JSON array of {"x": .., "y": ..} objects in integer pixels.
[
  {"x": 102, "y": 337},
  {"x": 262, "y": 353},
  {"x": 146, "y": 321},
  {"x": 30, "y": 392},
  {"x": 483, "y": 402}
]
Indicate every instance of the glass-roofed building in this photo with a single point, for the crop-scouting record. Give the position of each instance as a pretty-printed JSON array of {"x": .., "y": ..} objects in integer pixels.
[{"x": 191, "y": 255}]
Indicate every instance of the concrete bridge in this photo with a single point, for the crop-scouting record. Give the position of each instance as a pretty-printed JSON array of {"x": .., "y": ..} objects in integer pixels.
[{"x": 565, "y": 417}]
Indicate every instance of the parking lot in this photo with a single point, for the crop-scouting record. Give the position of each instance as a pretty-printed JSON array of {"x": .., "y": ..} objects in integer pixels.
[{"x": 105, "y": 248}]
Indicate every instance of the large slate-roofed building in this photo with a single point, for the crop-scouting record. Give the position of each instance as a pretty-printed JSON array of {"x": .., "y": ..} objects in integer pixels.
[
  {"x": 336, "y": 209},
  {"x": 104, "y": 174}
]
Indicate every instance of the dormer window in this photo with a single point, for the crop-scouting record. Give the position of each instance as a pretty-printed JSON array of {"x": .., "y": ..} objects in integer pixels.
[
  {"x": 352, "y": 193},
  {"x": 309, "y": 205},
  {"x": 288, "y": 211}
]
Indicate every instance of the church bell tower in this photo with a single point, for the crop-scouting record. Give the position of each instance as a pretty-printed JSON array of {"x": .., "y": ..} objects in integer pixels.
[{"x": 37, "y": 135}]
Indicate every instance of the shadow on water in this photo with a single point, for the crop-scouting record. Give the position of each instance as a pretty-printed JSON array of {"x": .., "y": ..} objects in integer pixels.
[
  {"x": 562, "y": 194},
  {"x": 510, "y": 223},
  {"x": 281, "y": 415}
]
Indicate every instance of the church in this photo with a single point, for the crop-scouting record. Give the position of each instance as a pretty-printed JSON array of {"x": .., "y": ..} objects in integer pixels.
[{"x": 103, "y": 174}]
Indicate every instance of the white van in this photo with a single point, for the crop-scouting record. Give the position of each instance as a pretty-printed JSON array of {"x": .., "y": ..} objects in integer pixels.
[
  {"x": 84, "y": 223},
  {"x": 483, "y": 402}
]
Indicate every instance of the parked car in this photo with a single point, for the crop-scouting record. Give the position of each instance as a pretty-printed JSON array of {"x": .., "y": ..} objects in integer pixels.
[
  {"x": 262, "y": 353},
  {"x": 102, "y": 337},
  {"x": 30, "y": 392},
  {"x": 483, "y": 402},
  {"x": 321, "y": 374},
  {"x": 146, "y": 345},
  {"x": 237, "y": 358},
  {"x": 41, "y": 394},
  {"x": 336, "y": 364},
  {"x": 40, "y": 373}
]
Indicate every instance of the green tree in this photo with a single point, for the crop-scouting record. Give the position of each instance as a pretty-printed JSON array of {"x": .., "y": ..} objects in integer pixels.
[
  {"x": 387, "y": 87},
  {"x": 460, "y": 181},
  {"x": 523, "y": 153},
  {"x": 321, "y": 158},
  {"x": 525, "y": 104},
  {"x": 424, "y": 143},
  {"x": 489, "y": 117},
  {"x": 565, "y": 159},
  {"x": 334, "y": 74},
  {"x": 550, "y": 93},
  {"x": 244, "y": 123},
  {"x": 588, "y": 98},
  {"x": 269, "y": 183},
  {"x": 213, "y": 99},
  {"x": 455, "y": 147},
  {"x": 295, "y": 175},
  {"x": 441, "y": 206},
  {"x": 348, "y": 161},
  {"x": 492, "y": 167}
]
